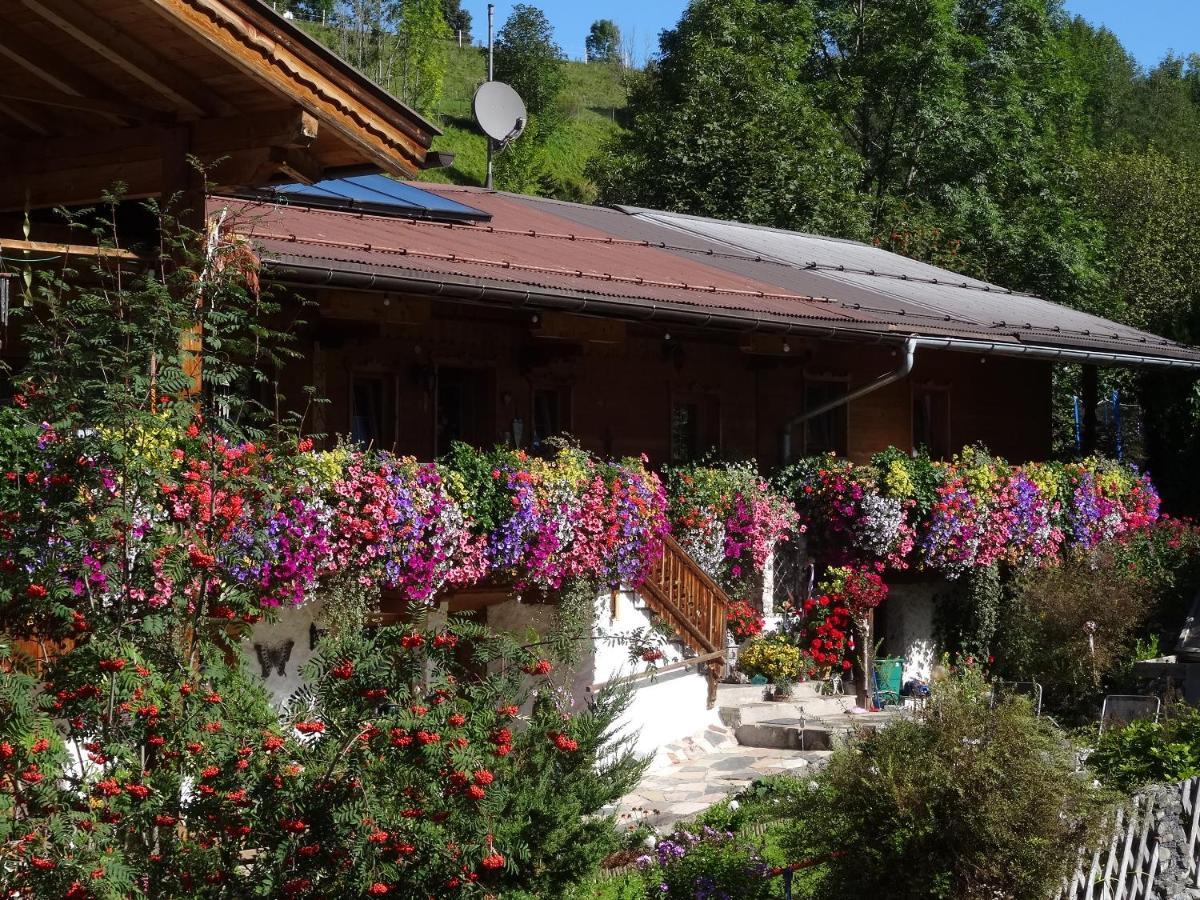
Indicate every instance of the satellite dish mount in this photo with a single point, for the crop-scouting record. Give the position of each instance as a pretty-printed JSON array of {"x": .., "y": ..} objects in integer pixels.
[
  {"x": 501, "y": 114},
  {"x": 499, "y": 109}
]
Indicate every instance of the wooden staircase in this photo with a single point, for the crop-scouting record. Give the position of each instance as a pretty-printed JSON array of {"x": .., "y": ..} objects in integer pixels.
[{"x": 679, "y": 593}]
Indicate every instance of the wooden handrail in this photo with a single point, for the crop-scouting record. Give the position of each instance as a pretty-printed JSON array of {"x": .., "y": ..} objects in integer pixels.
[
  {"x": 654, "y": 673},
  {"x": 682, "y": 594}
]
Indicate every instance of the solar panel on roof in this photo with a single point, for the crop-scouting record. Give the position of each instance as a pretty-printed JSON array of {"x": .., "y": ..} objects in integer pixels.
[{"x": 376, "y": 194}]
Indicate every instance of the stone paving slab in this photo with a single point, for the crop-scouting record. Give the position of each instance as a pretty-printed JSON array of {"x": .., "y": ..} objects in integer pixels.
[{"x": 667, "y": 795}]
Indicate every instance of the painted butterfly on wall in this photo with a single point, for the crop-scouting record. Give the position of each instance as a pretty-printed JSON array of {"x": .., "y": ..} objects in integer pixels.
[{"x": 274, "y": 656}]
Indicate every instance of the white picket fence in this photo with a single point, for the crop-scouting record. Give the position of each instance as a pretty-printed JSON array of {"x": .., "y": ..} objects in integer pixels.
[{"x": 1131, "y": 866}]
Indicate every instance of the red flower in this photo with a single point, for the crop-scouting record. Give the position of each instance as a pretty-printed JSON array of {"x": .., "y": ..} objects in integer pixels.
[
  {"x": 378, "y": 888},
  {"x": 562, "y": 742},
  {"x": 112, "y": 665},
  {"x": 40, "y": 862},
  {"x": 483, "y": 776},
  {"x": 492, "y": 861},
  {"x": 343, "y": 670},
  {"x": 40, "y": 745},
  {"x": 140, "y": 791},
  {"x": 541, "y": 667},
  {"x": 475, "y": 792},
  {"x": 36, "y": 591},
  {"x": 310, "y": 727}
]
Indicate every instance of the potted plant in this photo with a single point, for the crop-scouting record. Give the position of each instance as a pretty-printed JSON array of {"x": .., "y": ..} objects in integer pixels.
[{"x": 776, "y": 659}]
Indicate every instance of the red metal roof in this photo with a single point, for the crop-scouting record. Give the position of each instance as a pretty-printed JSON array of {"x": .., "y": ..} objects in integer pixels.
[{"x": 628, "y": 258}]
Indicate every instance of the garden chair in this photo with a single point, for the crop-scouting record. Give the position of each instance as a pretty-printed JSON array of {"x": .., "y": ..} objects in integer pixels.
[
  {"x": 1030, "y": 689},
  {"x": 1121, "y": 709}
]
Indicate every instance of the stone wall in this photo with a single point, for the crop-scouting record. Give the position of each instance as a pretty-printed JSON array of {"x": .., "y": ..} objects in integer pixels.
[{"x": 1170, "y": 823}]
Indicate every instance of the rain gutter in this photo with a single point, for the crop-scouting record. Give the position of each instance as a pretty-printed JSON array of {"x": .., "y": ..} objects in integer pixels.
[{"x": 901, "y": 371}]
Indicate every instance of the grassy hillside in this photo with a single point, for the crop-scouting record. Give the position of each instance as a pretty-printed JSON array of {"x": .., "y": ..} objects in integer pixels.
[{"x": 593, "y": 100}]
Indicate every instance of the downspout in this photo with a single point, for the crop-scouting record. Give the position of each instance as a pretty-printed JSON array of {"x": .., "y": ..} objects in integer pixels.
[{"x": 902, "y": 371}]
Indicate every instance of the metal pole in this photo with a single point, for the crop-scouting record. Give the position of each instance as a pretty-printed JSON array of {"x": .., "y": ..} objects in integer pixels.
[
  {"x": 491, "y": 77},
  {"x": 1116, "y": 414}
]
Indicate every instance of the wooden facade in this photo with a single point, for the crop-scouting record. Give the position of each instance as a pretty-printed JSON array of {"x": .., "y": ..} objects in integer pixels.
[{"x": 412, "y": 374}]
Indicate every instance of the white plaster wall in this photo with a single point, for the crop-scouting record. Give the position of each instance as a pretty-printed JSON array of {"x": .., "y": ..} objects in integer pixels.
[
  {"x": 286, "y": 644},
  {"x": 663, "y": 710},
  {"x": 909, "y": 629}
]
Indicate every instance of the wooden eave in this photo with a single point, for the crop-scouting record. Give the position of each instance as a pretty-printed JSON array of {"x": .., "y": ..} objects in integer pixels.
[{"x": 94, "y": 92}]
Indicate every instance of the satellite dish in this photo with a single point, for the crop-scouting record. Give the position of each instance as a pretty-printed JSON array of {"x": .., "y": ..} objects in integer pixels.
[{"x": 500, "y": 111}]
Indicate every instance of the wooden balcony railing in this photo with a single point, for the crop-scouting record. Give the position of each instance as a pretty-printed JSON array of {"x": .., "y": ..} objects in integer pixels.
[{"x": 679, "y": 593}]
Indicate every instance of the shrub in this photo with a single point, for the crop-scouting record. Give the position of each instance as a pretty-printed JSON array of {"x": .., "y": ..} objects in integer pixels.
[
  {"x": 1069, "y": 626},
  {"x": 968, "y": 801},
  {"x": 773, "y": 657},
  {"x": 1146, "y": 752},
  {"x": 708, "y": 865}
]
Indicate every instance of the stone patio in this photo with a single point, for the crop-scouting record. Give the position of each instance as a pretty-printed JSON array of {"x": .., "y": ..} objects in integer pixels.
[{"x": 669, "y": 794}]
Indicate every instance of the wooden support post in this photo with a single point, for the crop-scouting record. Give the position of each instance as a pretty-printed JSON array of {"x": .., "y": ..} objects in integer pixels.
[
  {"x": 183, "y": 198},
  {"x": 1090, "y": 391},
  {"x": 864, "y": 665}
]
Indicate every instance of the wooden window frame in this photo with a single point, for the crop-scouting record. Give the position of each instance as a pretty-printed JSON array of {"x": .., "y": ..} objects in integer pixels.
[
  {"x": 843, "y": 410},
  {"x": 389, "y": 424},
  {"x": 931, "y": 387}
]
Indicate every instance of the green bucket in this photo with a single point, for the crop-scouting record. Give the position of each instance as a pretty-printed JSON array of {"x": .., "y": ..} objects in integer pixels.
[{"x": 889, "y": 670}]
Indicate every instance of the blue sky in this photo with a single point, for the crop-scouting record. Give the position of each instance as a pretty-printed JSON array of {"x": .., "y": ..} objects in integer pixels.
[{"x": 1148, "y": 28}]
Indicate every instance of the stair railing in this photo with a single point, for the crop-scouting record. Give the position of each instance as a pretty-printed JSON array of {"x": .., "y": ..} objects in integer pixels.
[{"x": 679, "y": 593}]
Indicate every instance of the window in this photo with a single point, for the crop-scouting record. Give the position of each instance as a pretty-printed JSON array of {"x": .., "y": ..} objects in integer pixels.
[
  {"x": 367, "y": 411},
  {"x": 685, "y": 433},
  {"x": 465, "y": 410},
  {"x": 551, "y": 415},
  {"x": 931, "y": 421},
  {"x": 695, "y": 427},
  {"x": 825, "y": 433}
]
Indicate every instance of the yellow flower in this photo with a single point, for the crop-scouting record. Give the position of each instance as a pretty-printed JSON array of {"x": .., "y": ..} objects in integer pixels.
[{"x": 897, "y": 480}]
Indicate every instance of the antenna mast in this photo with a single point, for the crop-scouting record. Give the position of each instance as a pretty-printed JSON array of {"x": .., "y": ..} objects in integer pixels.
[{"x": 491, "y": 76}]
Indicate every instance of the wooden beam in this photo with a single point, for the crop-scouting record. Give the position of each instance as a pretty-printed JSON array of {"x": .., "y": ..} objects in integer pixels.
[
  {"x": 239, "y": 151},
  {"x": 130, "y": 55},
  {"x": 13, "y": 245},
  {"x": 296, "y": 165},
  {"x": 99, "y": 105},
  {"x": 250, "y": 39},
  {"x": 211, "y": 139},
  {"x": 48, "y": 65},
  {"x": 17, "y": 116}
]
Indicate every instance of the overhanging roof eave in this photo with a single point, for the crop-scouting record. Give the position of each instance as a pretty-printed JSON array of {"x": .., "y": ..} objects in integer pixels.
[{"x": 313, "y": 273}]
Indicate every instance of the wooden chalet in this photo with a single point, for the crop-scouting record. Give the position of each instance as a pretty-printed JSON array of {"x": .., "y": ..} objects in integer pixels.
[
  {"x": 447, "y": 313},
  {"x": 96, "y": 92}
]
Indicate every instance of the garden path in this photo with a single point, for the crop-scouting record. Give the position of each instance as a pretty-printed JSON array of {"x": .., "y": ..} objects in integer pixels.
[{"x": 671, "y": 793}]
